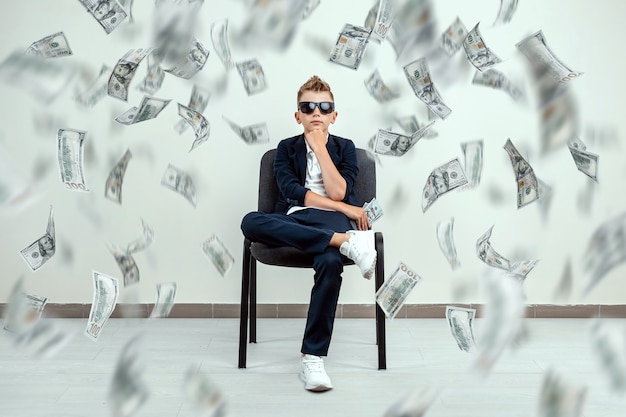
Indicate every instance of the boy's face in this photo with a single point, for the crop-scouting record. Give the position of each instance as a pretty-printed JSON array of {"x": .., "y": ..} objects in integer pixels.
[{"x": 315, "y": 120}]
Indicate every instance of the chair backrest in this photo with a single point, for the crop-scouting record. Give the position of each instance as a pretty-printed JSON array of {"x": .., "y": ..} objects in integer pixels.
[{"x": 364, "y": 184}]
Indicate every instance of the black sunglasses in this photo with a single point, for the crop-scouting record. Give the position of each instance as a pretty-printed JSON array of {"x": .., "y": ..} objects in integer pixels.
[{"x": 308, "y": 107}]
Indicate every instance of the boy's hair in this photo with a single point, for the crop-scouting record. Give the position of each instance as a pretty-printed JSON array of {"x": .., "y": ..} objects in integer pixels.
[{"x": 316, "y": 84}]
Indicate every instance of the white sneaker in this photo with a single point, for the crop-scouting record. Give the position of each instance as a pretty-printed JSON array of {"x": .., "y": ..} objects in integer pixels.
[
  {"x": 313, "y": 374},
  {"x": 360, "y": 248}
]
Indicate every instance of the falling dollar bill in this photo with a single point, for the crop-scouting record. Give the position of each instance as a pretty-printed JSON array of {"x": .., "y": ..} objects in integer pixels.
[
  {"x": 166, "y": 292},
  {"x": 40, "y": 251},
  {"x": 124, "y": 71},
  {"x": 414, "y": 404},
  {"x": 488, "y": 255},
  {"x": 418, "y": 75},
  {"x": 252, "y": 75},
  {"x": 70, "y": 156},
  {"x": 205, "y": 396},
  {"x": 272, "y": 24},
  {"x": 495, "y": 79},
  {"x": 391, "y": 143},
  {"x": 154, "y": 78},
  {"x": 521, "y": 269},
  {"x": 473, "y": 154},
  {"x": 108, "y": 13},
  {"x": 192, "y": 62},
  {"x": 350, "y": 46},
  {"x": 219, "y": 38},
  {"x": 478, "y": 54},
  {"x": 198, "y": 101},
  {"x": 608, "y": 343},
  {"x": 251, "y": 134},
  {"x": 410, "y": 125},
  {"x": 373, "y": 210},
  {"x": 96, "y": 91},
  {"x": 460, "y": 323},
  {"x": 452, "y": 38},
  {"x": 586, "y": 162},
  {"x": 149, "y": 108},
  {"x": 560, "y": 396},
  {"x": 310, "y": 6},
  {"x": 445, "y": 230},
  {"x": 43, "y": 340},
  {"x": 105, "y": 293},
  {"x": 51, "y": 46},
  {"x": 392, "y": 294},
  {"x": 198, "y": 122},
  {"x": 384, "y": 19},
  {"x": 23, "y": 310},
  {"x": 113, "y": 186},
  {"x": 506, "y": 12},
  {"x": 378, "y": 89},
  {"x": 139, "y": 244},
  {"x": 128, "y": 391},
  {"x": 215, "y": 249},
  {"x": 527, "y": 185},
  {"x": 128, "y": 266},
  {"x": 177, "y": 180},
  {"x": 442, "y": 180}
]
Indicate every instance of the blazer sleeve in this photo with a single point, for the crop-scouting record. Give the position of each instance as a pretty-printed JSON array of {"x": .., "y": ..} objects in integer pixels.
[
  {"x": 348, "y": 168},
  {"x": 288, "y": 182}
]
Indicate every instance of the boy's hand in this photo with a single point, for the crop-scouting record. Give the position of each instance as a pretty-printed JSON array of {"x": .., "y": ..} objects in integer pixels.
[
  {"x": 359, "y": 215},
  {"x": 316, "y": 139}
]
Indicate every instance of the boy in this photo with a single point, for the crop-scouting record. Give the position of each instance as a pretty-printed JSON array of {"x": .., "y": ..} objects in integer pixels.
[{"x": 315, "y": 173}]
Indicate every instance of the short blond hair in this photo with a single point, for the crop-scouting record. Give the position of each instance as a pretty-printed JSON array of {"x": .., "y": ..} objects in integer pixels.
[{"x": 316, "y": 84}]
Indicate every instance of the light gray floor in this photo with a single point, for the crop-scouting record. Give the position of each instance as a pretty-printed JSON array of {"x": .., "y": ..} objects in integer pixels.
[{"x": 421, "y": 353}]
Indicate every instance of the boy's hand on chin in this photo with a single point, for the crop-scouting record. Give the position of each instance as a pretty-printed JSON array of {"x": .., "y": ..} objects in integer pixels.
[{"x": 316, "y": 139}]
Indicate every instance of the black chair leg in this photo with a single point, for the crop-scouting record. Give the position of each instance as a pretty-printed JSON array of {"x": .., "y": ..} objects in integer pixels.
[
  {"x": 252, "y": 300},
  {"x": 380, "y": 315},
  {"x": 243, "y": 308}
]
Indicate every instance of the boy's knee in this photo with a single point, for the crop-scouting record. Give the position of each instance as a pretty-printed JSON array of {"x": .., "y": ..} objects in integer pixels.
[{"x": 248, "y": 222}]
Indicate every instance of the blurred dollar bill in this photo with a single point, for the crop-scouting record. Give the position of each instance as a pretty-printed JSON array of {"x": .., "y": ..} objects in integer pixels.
[
  {"x": 166, "y": 292},
  {"x": 452, "y": 38},
  {"x": 559, "y": 118},
  {"x": 559, "y": 396},
  {"x": 520, "y": 269},
  {"x": 23, "y": 310},
  {"x": 149, "y": 108},
  {"x": 198, "y": 101},
  {"x": 174, "y": 23},
  {"x": 178, "y": 180},
  {"x": 350, "y": 46},
  {"x": 473, "y": 154},
  {"x": 124, "y": 71},
  {"x": 608, "y": 343},
  {"x": 51, "y": 46},
  {"x": 506, "y": 12},
  {"x": 563, "y": 290},
  {"x": 128, "y": 391},
  {"x": 41, "y": 250},
  {"x": 410, "y": 125},
  {"x": 204, "y": 395},
  {"x": 397, "y": 144},
  {"x": 309, "y": 7},
  {"x": 154, "y": 78},
  {"x": 113, "y": 186},
  {"x": 445, "y": 230},
  {"x": 272, "y": 24},
  {"x": 96, "y": 91},
  {"x": 127, "y": 265},
  {"x": 381, "y": 21},
  {"x": 414, "y": 404},
  {"x": 198, "y": 122},
  {"x": 219, "y": 38},
  {"x": 70, "y": 156},
  {"x": 495, "y": 79},
  {"x": 392, "y": 294},
  {"x": 605, "y": 250},
  {"x": 44, "y": 79},
  {"x": 460, "y": 323},
  {"x": 251, "y": 134},
  {"x": 418, "y": 75},
  {"x": 527, "y": 185},
  {"x": 105, "y": 293},
  {"x": 373, "y": 210},
  {"x": 478, "y": 54},
  {"x": 442, "y": 180},
  {"x": 252, "y": 75},
  {"x": 108, "y": 13},
  {"x": 378, "y": 89},
  {"x": 139, "y": 244},
  {"x": 545, "y": 198},
  {"x": 192, "y": 62},
  {"x": 586, "y": 162},
  {"x": 413, "y": 26},
  {"x": 214, "y": 248},
  {"x": 488, "y": 255},
  {"x": 43, "y": 340}
]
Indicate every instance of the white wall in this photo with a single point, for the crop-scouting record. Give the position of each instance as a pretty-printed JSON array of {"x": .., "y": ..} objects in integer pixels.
[{"x": 585, "y": 35}]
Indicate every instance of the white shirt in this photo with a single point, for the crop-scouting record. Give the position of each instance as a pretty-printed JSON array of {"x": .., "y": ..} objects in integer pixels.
[{"x": 313, "y": 180}]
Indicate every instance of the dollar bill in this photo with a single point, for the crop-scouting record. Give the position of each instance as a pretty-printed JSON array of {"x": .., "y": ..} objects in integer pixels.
[
  {"x": 272, "y": 24},
  {"x": 23, "y": 310},
  {"x": 473, "y": 154},
  {"x": 452, "y": 38},
  {"x": 418, "y": 75},
  {"x": 488, "y": 255},
  {"x": 51, "y": 46},
  {"x": 40, "y": 251},
  {"x": 350, "y": 46},
  {"x": 137, "y": 245},
  {"x": 205, "y": 396},
  {"x": 43, "y": 339},
  {"x": 105, "y": 293},
  {"x": 608, "y": 343},
  {"x": 378, "y": 89},
  {"x": 191, "y": 63},
  {"x": 397, "y": 144},
  {"x": 392, "y": 294},
  {"x": 442, "y": 180},
  {"x": 586, "y": 162},
  {"x": 495, "y": 79},
  {"x": 219, "y": 38},
  {"x": 460, "y": 323},
  {"x": 113, "y": 186},
  {"x": 108, "y": 13},
  {"x": 506, "y": 12},
  {"x": 414, "y": 404},
  {"x": 198, "y": 122},
  {"x": 174, "y": 24},
  {"x": 373, "y": 210},
  {"x": 520, "y": 269},
  {"x": 124, "y": 71},
  {"x": 154, "y": 78},
  {"x": 214, "y": 248},
  {"x": 127, "y": 265},
  {"x": 251, "y": 134},
  {"x": 410, "y": 125},
  {"x": 198, "y": 101},
  {"x": 383, "y": 20},
  {"x": 478, "y": 54},
  {"x": 166, "y": 292},
  {"x": 149, "y": 108},
  {"x": 527, "y": 185},
  {"x": 178, "y": 180},
  {"x": 252, "y": 75},
  {"x": 128, "y": 391},
  {"x": 309, "y": 7},
  {"x": 445, "y": 230},
  {"x": 70, "y": 156},
  {"x": 96, "y": 91},
  {"x": 559, "y": 396}
]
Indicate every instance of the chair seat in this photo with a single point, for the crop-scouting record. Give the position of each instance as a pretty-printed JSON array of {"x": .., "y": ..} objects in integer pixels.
[{"x": 285, "y": 256}]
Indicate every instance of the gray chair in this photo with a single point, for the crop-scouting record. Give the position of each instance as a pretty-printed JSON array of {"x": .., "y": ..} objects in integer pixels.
[{"x": 365, "y": 190}]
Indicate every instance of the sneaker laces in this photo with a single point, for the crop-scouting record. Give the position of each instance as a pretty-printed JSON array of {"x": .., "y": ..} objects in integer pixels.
[{"x": 313, "y": 366}]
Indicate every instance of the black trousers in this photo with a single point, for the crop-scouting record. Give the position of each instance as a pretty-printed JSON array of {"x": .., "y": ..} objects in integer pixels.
[{"x": 309, "y": 230}]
